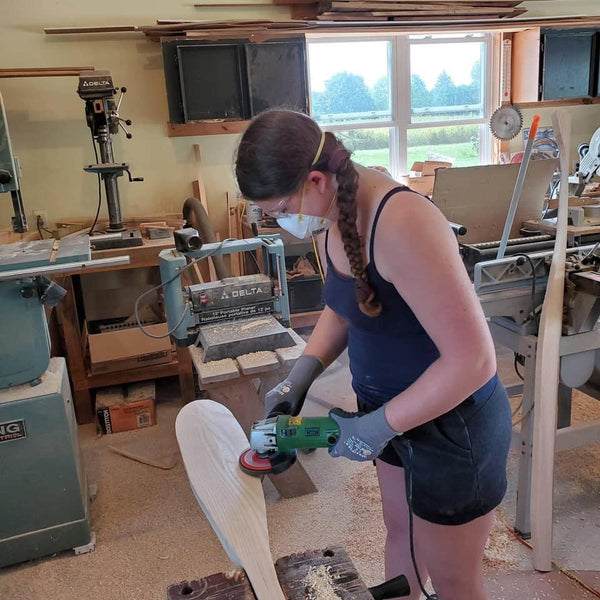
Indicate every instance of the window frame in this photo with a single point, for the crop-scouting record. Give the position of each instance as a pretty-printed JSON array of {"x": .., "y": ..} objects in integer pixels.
[{"x": 400, "y": 77}]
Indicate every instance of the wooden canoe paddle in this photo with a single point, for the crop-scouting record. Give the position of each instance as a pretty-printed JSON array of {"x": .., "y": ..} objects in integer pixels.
[
  {"x": 547, "y": 367},
  {"x": 211, "y": 441}
]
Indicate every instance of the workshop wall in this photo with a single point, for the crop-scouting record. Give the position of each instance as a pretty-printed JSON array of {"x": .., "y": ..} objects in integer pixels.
[{"x": 46, "y": 117}]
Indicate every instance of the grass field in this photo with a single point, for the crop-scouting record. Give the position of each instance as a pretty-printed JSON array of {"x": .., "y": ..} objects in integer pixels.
[{"x": 463, "y": 153}]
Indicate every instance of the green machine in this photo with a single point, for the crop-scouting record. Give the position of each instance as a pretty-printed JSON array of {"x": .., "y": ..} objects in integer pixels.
[
  {"x": 43, "y": 496},
  {"x": 43, "y": 490}
]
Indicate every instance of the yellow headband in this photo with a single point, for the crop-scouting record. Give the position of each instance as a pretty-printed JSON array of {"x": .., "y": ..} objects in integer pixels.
[{"x": 319, "y": 150}]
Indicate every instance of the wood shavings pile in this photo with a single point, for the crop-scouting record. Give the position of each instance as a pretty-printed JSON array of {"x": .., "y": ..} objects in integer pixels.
[
  {"x": 253, "y": 324},
  {"x": 319, "y": 584},
  {"x": 258, "y": 357},
  {"x": 501, "y": 549}
]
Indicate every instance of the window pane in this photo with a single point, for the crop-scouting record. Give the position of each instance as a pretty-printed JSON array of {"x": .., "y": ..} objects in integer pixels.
[
  {"x": 369, "y": 147},
  {"x": 447, "y": 81},
  {"x": 458, "y": 144},
  {"x": 350, "y": 81}
]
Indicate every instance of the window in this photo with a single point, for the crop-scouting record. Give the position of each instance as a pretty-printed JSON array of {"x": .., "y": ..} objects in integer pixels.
[{"x": 394, "y": 100}]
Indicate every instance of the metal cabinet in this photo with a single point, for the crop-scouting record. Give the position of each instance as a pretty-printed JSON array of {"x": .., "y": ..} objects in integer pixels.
[{"x": 569, "y": 64}]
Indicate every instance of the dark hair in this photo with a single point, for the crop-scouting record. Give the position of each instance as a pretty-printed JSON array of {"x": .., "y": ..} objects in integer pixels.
[{"x": 273, "y": 159}]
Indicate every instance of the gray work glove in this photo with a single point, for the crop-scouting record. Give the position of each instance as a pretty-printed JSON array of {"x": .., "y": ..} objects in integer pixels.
[
  {"x": 288, "y": 397},
  {"x": 362, "y": 436}
]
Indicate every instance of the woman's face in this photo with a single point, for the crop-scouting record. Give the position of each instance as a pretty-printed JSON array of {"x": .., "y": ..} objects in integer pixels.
[{"x": 313, "y": 198}]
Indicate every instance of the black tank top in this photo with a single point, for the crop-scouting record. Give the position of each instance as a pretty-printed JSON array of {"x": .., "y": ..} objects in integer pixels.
[{"x": 388, "y": 352}]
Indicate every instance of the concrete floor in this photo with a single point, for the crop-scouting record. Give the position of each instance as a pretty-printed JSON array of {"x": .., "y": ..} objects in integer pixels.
[{"x": 151, "y": 532}]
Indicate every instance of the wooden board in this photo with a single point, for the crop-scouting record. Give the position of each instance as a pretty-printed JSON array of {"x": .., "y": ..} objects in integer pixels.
[
  {"x": 211, "y": 441},
  {"x": 291, "y": 570},
  {"x": 547, "y": 368},
  {"x": 215, "y": 370},
  {"x": 288, "y": 356},
  {"x": 219, "y": 586},
  {"x": 257, "y": 362},
  {"x": 346, "y": 583},
  {"x": 479, "y": 197}
]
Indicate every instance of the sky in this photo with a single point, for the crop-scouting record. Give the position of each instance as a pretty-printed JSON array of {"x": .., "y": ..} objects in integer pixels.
[{"x": 369, "y": 59}]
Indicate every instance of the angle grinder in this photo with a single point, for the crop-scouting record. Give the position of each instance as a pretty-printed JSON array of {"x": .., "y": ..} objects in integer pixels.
[{"x": 274, "y": 441}]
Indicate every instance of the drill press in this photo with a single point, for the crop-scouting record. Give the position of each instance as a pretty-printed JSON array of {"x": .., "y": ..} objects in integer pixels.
[{"x": 102, "y": 115}]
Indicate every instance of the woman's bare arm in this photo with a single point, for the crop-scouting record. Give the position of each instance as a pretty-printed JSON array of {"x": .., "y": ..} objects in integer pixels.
[{"x": 416, "y": 250}]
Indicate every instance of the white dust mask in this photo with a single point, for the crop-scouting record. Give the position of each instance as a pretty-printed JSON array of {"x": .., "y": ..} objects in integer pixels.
[{"x": 305, "y": 226}]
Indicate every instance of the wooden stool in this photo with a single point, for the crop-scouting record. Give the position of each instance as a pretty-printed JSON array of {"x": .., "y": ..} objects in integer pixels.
[{"x": 291, "y": 572}]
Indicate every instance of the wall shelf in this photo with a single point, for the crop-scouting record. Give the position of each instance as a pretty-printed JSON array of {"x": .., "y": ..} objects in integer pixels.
[
  {"x": 212, "y": 127},
  {"x": 564, "y": 102}
]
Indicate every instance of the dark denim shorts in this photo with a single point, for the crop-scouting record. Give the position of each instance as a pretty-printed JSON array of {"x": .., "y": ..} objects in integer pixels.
[{"x": 458, "y": 460}]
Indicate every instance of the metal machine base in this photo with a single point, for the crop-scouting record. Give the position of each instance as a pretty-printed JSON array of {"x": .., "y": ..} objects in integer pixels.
[{"x": 44, "y": 496}]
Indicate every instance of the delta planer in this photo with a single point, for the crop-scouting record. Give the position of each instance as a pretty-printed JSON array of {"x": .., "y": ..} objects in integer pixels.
[{"x": 234, "y": 315}]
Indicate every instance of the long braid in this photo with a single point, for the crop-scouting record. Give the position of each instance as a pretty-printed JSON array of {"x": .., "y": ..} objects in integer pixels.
[
  {"x": 347, "y": 179},
  {"x": 264, "y": 171}
]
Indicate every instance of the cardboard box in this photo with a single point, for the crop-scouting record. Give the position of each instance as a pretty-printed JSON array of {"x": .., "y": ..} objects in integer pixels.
[
  {"x": 422, "y": 176},
  {"x": 129, "y": 348},
  {"x": 118, "y": 411}
]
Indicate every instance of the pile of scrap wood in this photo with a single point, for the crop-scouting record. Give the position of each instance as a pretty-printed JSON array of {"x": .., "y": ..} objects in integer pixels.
[
  {"x": 221, "y": 29},
  {"x": 405, "y": 10}
]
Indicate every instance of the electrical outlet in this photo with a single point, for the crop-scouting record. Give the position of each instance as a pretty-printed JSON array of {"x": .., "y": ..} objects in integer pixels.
[{"x": 43, "y": 214}]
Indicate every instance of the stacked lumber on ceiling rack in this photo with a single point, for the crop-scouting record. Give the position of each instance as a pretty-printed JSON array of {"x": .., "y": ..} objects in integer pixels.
[
  {"x": 241, "y": 28},
  {"x": 404, "y": 10}
]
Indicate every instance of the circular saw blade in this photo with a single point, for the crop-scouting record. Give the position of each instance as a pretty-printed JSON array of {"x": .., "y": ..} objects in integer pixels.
[{"x": 506, "y": 122}]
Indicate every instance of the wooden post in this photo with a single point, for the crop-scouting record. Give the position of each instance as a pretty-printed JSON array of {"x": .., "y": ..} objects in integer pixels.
[{"x": 547, "y": 368}]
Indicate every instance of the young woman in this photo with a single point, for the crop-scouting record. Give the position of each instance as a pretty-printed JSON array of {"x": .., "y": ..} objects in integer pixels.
[{"x": 421, "y": 356}]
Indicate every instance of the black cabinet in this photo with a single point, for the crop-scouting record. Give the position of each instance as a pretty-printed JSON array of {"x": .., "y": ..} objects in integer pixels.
[
  {"x": 569, "y": 64},
  {"x": 234, "y": 79}
]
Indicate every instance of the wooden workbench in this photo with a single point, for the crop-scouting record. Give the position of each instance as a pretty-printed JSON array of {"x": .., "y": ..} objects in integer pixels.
[
  {"x": 241, "y": 384},
  {"x": 574, "y": 234},
  {"x": 71, "y": 319}
]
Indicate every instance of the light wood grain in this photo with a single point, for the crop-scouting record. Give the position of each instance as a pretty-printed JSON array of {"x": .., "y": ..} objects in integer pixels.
[
  {"x": 211, "y": 441},
  {"x": 547, "y": 368}
]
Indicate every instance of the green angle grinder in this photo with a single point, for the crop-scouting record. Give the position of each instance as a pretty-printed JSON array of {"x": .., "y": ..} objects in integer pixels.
[{"x": 274, "y": 441}]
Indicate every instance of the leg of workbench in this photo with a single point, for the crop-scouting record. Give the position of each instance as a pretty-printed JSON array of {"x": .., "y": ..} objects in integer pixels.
[
  {"x": 186, "y": 375},
  {"x": 523, "y": 519},
  {"x": 564, "y": 406},
  {"x": 66, "y": 312}
]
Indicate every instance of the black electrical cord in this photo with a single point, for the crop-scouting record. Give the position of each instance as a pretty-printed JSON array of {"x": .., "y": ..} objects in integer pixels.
[
  {"x": 164, "y": 283},
  {"x": 38, "y": 223},
  {"x": 408, "y": 466},
  {"x": 99, "y": 189},
  {"x": 517, "y": 368}
]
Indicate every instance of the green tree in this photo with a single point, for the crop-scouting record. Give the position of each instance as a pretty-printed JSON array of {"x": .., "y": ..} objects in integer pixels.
[
  {"x": 444, "y": 91},
  {"x": 347, "y": 93},
  {"x": 419, "y": 94},
  {"x": 381, "y": 94},
  {"x": 318, "y": 103}
]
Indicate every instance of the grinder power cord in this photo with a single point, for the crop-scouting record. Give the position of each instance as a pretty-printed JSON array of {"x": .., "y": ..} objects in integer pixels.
[{"x": 274, "y": 442}]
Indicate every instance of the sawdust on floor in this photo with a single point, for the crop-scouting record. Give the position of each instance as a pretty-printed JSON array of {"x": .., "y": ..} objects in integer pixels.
[{"x": 502, "y": 549}]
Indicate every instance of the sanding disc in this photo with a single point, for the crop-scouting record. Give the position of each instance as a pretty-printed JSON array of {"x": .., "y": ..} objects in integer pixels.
[{"x": 253, "y": 464}]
